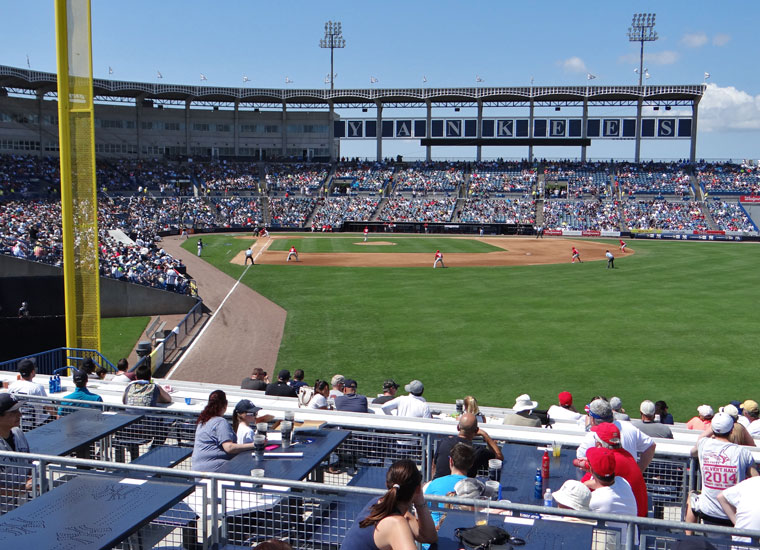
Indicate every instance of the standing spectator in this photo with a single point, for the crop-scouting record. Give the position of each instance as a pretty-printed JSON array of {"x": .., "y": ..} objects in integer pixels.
[
  {"x": 389, "y": 392},
  {"x": 80, "y": 394},
  {"x": 647, "y": 423},
  {"x": 523, "y": 413},
  {"x": 702, "y": 421},
  {"x": 337, "y": 386},
  {"x": 281, "y": 387},
  {"x": 297, "y": 381},
  {"x": 468, "y": 430},
  {"x": 609, "y": 494},
  {"x": 257, "y": 381},
  {"x": 723, "y": 465},
  {"x": 617, "y": 409},
  {"x": 36, "y": 412},
  {"x": 565, "y": 409},
  {"x": 661, "y": 413},
  {"x": 412, "y": 405},
  {"x": 351, "y": 401}
]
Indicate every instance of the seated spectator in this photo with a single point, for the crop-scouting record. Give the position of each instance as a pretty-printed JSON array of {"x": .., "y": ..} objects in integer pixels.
[
  {"x": 741, "y": 503},
  {"x": 565, "y": 409},
  {"x": 412, "y": 405},
  {"x": 468, "y": 430},
  {"x": 142, "y": 392},
  {"x": 297, "y": 381},
  {"x": 319, "y": 399},
  {"x": 215, "y": 442},
  {"x": 88, "y": 366},
  {"x": 257, "y": 381},
  {"x": 752, "y": 417},
  {"x": 337, "y": 386},
  {"x": 573, "y": 495},
  {"x": 244, "y": 420},
  {"x": 610, "y": 494},
  {"x": 461, "y": 459},
  {"x": 523, "y": 413},
  {"x": 617, "y": 409},
  {"x": 123, "y": 376},
  {"x": 389, "y": 392},
  {"x": 723, "y": 464},
  {"x": 647, "y": 423},
  {"x": 351, "y": 401},
  {"x": 661, "y": 413},
  {"x": 80, "y": 394},
  {"x": 36, "y": 413},
  {"x": 390, "y": 522},
  {"x": 281, "y": 387},
  {"x": 739, "y": 434},
  {"x": 15, "y": 483},
  {"x": 702, "y": 420},
  {"x": 471, "y": 406}
]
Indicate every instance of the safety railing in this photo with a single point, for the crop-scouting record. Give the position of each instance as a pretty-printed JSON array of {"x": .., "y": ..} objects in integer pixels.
[
  {"x": 242, "y": 510},
  {"x": 47, "y": 362}
]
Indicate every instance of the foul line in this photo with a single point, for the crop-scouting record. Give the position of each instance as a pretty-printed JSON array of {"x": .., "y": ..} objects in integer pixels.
[{"x": 200, "y": 334}]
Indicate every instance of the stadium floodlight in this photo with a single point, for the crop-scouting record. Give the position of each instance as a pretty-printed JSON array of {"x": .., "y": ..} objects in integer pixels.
[
  {"x": 642, "y": 30},
  {"x": 333, "y": 39}
]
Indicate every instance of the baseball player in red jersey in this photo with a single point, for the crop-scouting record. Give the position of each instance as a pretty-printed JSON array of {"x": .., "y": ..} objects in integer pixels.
[
  {"x": 292, "y": 252},
  {"x": 622, "y": 245},
  {"x": 438, "y": 259},
  {"x": 576, "y": 256},
  {"x": 366, "y": 233}
]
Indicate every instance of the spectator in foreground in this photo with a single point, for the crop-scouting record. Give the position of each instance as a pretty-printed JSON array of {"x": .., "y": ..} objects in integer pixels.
[
  {"x": 702, "y": 421},
  {"x": 573, "y": 495},
  {"x": 15, "y": 483},
  {"x": 741, "y": 503},
  {"x": 351, "y": 401},
  {"x": 80, "y": 394},
  {"x": 565, "y": 409},
  {"x": 411, "y": 405},
  {"x": 215, "y": 442},
  {"x": 468, "y": 430},
  {"x": 319, "y": 399},
  {"x": 36, "y": 412},
  {"x": 523, "y": 413},
  {"x": 244, "y": 420},
  {"x": 723, "y": 465},
  {"x": 389, "y": 392},
  {"x": 647, "y": 423},
  {"x": 257, "y": 381},
  {"x": 388, "y": 522},
  {"x": 609, "y": 494},
  {"x": 281, "y": 388},
  {"x": 297, "y": 381},
  {"x": 142, "y": 392},
  {"x": 461, "y": 459},
  {"x": 337, "y": 386}
]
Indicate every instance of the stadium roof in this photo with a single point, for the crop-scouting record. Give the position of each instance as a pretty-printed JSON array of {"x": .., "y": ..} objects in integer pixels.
[{"x": 23, "y": 81}]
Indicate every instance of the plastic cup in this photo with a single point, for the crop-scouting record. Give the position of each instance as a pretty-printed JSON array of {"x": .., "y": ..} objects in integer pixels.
[
  {"x": 494, "y": 469},
  {"x": 286, "y": 430},
  {"x": 258, "y": 472},
  {"x": 556, "y": 449},
  {"x": 259, "y": 442},
  {"x": 261, "y": 428},
  {"x": 290, "y": 416},
  {"x": 188, "y": 400},
  {"x": 493, "y": 489},
  {"x": 460, "y": 406},
  {"x": 482, "y": 510}
]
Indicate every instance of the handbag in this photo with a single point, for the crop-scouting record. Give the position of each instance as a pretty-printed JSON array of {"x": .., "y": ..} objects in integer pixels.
[{"x": 483, "y": 537}]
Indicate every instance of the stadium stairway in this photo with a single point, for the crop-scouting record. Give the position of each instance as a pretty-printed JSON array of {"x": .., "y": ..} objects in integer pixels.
[
  {"x": 708, "y": 217},
  {"x": 266, "y": 215},
  {"x": 380, "y": 206},
  {"x": 458, "y": 208},
  {"x": 310, "y": 218},
  {"x": 539, "y": 211}
]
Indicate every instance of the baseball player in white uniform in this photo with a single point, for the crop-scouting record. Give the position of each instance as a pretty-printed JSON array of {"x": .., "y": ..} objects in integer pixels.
[{"x": 292, "y": 253}]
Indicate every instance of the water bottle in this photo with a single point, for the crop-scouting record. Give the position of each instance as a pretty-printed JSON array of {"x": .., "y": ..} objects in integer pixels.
[
  {"x": 539, "y": 483},
  {"x": 51, "y": 384},
  {"x": 58, "y": 386},
  {"x": 548, "y": 498}
]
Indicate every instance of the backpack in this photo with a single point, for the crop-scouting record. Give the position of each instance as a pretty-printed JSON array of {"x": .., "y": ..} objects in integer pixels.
[
  {"x": 483, "y": 537},
  {"x": 305, "y": 393}
]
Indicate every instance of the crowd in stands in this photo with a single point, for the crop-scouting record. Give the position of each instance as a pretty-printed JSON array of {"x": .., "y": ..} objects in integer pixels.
[
  {"x": 303, "y": 179},
  {"x": 662, "y": 214},
  {"x": 582, "y": 178},
  {"x": 228, "y": 176},
  {"x": 290, "y": 211},
  {"x": 515, "y": 210},
  {"x": 730, "y": 216},
  {"x": 579, "y": 215},
  {"x": 653, "y": 178},
  {"x": 333, "y": 211},
  {"x": 238, "y": 211},
  {"x": 402, "y": 209},
  {"x": 496, "y": 178},
  {"x": 435, "y": 177},
  {"x": 367, "y": 176},
  {"x": 729, "y": 178}
]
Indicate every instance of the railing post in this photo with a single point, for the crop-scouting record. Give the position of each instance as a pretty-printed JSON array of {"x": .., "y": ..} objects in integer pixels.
[
  {"x": 43, "y": 482},
  {"x": 214, "y": 497}
]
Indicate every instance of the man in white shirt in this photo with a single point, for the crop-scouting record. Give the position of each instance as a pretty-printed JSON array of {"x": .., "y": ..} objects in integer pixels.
[
  {"x": 633, "y": 440},
  {"x": 610, "y": 494},
  {"x": 565, "y": 409},
  {"x": 741, "y": 503},
  {"x": 36, "y": 412},
  {"x": 412, "y": 405},
  {"x": 752, "y": 416}
]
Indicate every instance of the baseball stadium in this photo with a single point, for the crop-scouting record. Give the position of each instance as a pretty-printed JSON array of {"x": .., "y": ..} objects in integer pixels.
[{"x": 161, "y": 242}]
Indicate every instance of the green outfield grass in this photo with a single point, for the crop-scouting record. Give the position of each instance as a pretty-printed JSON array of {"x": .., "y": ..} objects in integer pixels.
[
  {"x": 118, "y": 336},
  {"x": 400, "y": 244},
  {"x": 675, "y": 321}
]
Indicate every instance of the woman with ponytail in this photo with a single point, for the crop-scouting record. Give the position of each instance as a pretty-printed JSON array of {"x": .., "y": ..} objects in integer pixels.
[
  {"x": 215, "y": 442},
  {"x": 390, "y": 523}
]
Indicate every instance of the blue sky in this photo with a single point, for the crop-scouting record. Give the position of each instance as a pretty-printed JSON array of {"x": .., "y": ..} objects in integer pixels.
[{"x": 449, "y": 42}]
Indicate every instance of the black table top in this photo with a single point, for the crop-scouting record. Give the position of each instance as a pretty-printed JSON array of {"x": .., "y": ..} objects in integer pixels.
[
  {"x": 314, "y": 444},
  {"x": 541, "y": 535},
  {"x": 72, "y": 431},
  {"x": 89, "y": 513},
  {"x": 519, "y": 470}
]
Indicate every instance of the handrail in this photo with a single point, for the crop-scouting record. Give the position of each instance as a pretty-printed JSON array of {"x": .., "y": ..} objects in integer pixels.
[{"x": 49, "y": 361}]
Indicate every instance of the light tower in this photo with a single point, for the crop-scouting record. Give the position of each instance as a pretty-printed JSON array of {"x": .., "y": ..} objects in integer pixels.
[
  {"x": 642, "y": 30},
  {"x": 333, "y": 39}
]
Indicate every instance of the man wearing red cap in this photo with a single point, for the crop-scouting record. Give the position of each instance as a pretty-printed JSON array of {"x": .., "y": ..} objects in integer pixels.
[
  {"x": 610, "y": 494},
  {"x": 438, "y": 259},
  {"x": 565, "y": 409},
  {"x": 608, "y": 437}
]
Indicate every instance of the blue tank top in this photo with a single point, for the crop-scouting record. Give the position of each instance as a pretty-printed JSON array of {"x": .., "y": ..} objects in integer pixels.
[{"x": 358, "y": 538}]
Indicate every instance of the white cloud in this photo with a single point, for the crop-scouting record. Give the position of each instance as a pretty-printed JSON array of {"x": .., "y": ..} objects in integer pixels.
[
  {"x": 728, "y": 109},
  {"x": 694, "y": 40},
  {"x": 574, "y": 65},
  {"x": 721, "y": 39},
  {"x": 667, "y": 57}
]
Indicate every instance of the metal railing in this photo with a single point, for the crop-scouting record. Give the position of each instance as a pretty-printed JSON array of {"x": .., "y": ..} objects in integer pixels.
[{"x": 47, "y": 362}]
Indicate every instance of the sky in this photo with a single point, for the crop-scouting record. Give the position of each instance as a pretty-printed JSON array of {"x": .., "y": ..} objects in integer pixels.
[{"x": 448, "y": 42}]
